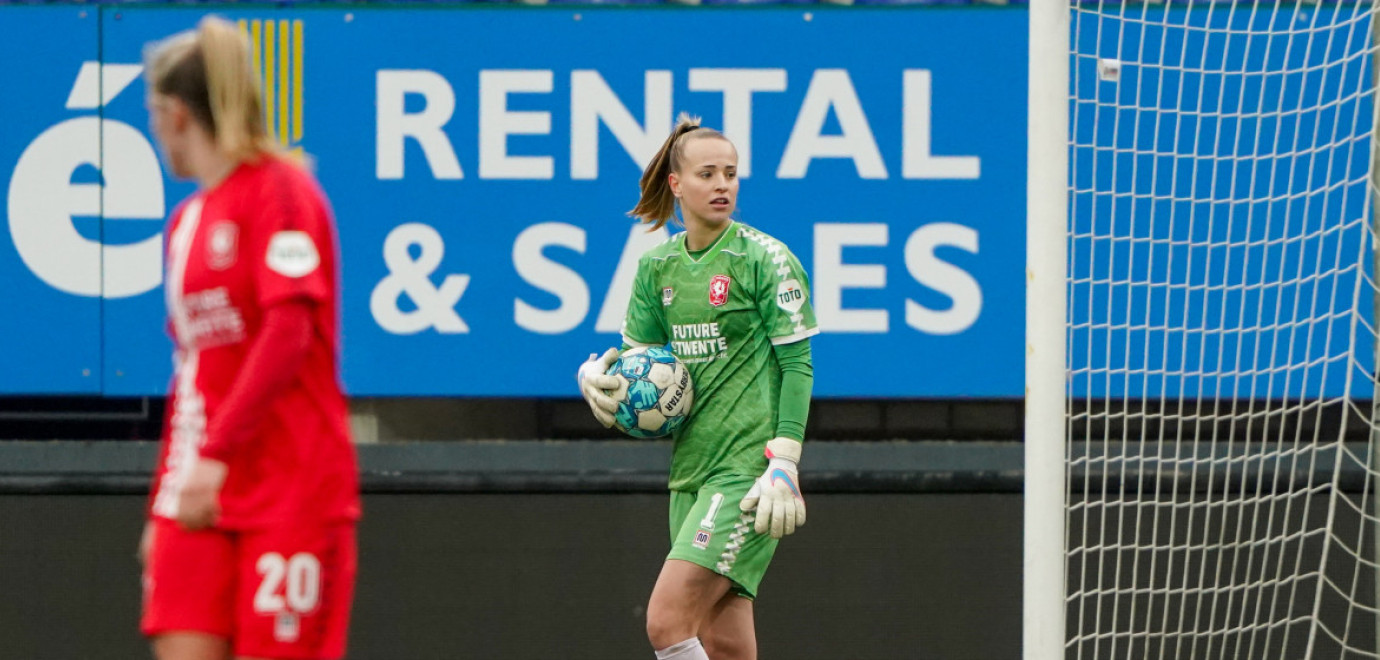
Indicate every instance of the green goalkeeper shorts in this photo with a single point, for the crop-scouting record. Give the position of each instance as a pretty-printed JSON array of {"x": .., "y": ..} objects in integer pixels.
[{"x": 708, "y": 529}]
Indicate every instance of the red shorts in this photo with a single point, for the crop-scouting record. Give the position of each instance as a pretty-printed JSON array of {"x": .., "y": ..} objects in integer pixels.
[{"x": 280, "y": 593}]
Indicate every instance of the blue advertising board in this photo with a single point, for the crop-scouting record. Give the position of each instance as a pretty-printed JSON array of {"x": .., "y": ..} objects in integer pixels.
[
  {"x": 51, "y": 323},
  {"x": 480, "y": 162}
]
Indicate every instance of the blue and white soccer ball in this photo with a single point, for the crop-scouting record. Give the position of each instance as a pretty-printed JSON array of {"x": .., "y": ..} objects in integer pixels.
[{"x": 654, "y": 392}]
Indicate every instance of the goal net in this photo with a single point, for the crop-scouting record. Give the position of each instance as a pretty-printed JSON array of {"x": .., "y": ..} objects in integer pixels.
[{"x": 1220, "y": 332}]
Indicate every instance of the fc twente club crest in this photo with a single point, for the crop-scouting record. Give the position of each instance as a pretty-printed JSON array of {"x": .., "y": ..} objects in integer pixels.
[{"x": 718, "y": 290}]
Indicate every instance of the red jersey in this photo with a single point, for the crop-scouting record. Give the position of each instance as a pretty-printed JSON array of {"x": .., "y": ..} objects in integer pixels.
[{"x": 263, "y": 236}]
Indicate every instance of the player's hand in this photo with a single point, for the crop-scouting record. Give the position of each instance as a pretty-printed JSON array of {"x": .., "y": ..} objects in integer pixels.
[
  {"x": 593, "y": 383},
  {"x": 776, "y": 495},
  {"x": 145, "y": 544},
  {"x": 198, "y": 506}
]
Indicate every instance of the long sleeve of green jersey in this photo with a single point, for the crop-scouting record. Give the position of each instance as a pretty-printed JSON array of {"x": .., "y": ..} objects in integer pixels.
[
  {"x": 645, "y": 322},
  {"x": 797, "y": 380},
  {"x": 783, "y": 297}
]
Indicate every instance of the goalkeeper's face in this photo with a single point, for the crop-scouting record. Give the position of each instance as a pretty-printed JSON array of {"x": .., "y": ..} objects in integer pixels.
[{"x": 706, "y": 181}]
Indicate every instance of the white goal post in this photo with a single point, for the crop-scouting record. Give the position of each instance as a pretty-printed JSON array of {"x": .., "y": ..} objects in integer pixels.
[
  {"x": 1201, "y": 331},
  {"x": 1046, "y": 254}
]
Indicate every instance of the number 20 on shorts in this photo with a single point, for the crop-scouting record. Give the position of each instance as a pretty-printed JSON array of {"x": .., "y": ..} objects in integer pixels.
[{"x": 293, "y": 582}]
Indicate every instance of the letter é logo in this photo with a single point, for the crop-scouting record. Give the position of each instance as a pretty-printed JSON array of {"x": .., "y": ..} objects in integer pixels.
[{"x": 44, "y": 205}]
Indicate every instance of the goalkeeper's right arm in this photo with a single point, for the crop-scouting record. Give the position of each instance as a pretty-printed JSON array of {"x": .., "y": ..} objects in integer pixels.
[{"x": 594, "y": 382}]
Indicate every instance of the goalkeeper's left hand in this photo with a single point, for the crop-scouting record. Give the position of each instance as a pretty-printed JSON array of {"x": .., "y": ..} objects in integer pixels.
[{"x": 776, "y": 495}]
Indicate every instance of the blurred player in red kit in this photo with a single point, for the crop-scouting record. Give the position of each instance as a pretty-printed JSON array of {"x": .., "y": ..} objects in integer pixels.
[{"x": 249, "y": 551}]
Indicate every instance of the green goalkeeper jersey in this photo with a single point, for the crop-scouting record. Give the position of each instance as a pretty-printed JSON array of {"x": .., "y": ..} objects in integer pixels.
[{"x": 721, "y": 313}]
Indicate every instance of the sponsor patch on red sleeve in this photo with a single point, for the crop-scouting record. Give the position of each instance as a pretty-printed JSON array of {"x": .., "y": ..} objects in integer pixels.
[{"x": 292, "y": 254}]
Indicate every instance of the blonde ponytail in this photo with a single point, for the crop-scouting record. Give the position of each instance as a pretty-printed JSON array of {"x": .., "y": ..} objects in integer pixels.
[
  {"x": 209, "y": 70},
  {"x": 234, "y": 94},
  {"x": 657, "y": 205}
]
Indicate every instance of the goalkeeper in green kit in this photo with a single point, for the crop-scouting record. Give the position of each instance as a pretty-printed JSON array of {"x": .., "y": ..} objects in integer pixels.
[{"x": 734, "y": 305}]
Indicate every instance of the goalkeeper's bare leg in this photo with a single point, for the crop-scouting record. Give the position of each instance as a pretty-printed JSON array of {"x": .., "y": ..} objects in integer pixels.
[
  {"x": 729, "y": 634},
  {"x": 684, "y": 602}
]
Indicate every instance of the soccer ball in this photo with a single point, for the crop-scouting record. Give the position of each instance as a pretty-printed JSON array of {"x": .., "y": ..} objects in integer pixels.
[{"x": 654, "y": 393}]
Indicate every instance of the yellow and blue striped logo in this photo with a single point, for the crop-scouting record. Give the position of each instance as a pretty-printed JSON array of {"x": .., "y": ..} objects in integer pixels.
[{"x": 277, "y": 52}]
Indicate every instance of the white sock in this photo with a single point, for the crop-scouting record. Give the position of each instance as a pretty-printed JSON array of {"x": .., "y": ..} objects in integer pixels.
[{"x": 689, "y": 649}]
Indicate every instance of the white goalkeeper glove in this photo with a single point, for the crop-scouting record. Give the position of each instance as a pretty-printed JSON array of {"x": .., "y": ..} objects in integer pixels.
[
  {"x": 776, "y": 495},
  {"x": 593, "y": 383}
]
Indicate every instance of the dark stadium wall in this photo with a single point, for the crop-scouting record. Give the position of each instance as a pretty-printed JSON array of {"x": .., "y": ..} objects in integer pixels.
[{"x": 526, "y": 576}]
